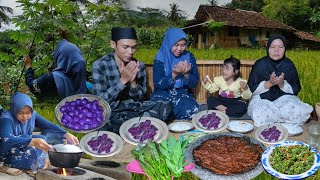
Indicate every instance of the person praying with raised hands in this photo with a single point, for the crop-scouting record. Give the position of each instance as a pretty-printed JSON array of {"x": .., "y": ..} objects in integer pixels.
[{"x": 121, "y": 80}]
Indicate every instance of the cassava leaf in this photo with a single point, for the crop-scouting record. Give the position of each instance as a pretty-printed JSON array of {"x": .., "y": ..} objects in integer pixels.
[
  {"x": 171, "y": 143},
  {"x": 151, "y": 161}
]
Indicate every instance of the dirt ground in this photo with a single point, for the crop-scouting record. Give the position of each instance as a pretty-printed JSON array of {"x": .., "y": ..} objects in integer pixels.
[{"x": 23, "y": 176}]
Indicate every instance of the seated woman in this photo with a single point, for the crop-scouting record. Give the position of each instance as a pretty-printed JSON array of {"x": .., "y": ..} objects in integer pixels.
[
  {"x": 275, "y": 84},
  {"x": 233, "y": 90},
  {"x": 69, "y": 76},
  {"x": 175, "y": 75},
  {"x": 19, "y": 149}
]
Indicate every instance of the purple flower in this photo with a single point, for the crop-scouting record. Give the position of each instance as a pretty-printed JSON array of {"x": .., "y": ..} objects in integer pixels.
[{"x": 223, "y": 94}]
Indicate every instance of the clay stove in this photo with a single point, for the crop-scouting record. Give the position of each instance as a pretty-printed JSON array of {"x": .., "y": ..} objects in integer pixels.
[
  {"x": 71, "y": 173},
  {"x": 108, "y": 168}
]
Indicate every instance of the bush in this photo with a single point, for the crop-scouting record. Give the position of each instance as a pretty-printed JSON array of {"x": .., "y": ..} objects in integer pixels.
[{"x": 150, "y": 37}]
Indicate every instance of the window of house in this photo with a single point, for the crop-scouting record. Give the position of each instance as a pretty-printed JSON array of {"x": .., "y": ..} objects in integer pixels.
[
  {"x": 267, "y": 34},
  {"x": 233, "y": 31}
]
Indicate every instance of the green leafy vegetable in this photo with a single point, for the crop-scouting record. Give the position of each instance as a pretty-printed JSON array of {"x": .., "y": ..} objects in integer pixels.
[
  {"x": 151, "y": 161},
  {"x": 191, "y": 136},
  {"x": 173, "y": 151},
  {"x": 160, "y": 161},
  {"x": 292, "y": 160}
]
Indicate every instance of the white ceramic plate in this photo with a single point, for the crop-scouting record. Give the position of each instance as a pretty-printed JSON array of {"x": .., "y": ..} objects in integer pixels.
[
  {"x": 116, "y": 146},
  {"x": 180, "y": 126},
  {"x": 162, "y": 131},
  {"x": 283, "y": 135},
  {"x": 292, "y": 129},
  {"x": 223, "y": 122},
  {"x": 240, "y": 126},
  {"x": 267, "y": 166}
]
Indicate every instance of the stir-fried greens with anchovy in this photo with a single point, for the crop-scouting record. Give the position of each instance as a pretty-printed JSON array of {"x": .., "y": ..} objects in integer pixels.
[{"x": 292, "y": 160}]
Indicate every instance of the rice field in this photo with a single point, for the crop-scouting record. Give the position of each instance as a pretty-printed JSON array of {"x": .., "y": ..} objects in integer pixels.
[{"x": 307, "y": 64}]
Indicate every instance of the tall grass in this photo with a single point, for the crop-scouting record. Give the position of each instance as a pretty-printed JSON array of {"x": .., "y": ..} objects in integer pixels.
[
  {"x": 306, "y": 62},
  {"x": 147, "y": 55}
]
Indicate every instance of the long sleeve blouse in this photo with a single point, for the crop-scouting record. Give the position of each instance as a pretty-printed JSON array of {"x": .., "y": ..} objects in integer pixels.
[
  {"x": 231, "y": 91},
  {"x": 14, "y": 134}
]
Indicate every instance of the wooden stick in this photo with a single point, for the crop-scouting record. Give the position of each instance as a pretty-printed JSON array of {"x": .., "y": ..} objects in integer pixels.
[{"x": 209, "y": 79}]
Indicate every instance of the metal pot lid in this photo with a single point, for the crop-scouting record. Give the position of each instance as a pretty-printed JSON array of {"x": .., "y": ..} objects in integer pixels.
[{"x": 67, "y": 148}]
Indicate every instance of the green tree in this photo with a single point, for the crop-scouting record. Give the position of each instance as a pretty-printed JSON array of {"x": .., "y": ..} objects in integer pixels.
[
  {"x": 315, "y": 19},
  {"x": 315, "y": 16},
  {"x": 6, "y": 43},
  {"x": 151, "y": 11},
  {"x": 291, "y": 12},
  {"x": 150, "y": 37},
  {"x": 147, "y": 17},
  {"x": 83, "y": 2},
  {"x": 151, "y": 17},
  {"x": 40, "y": 19},
  {"x": 314, "y": 3},
  {"x": 101, "y": 17},
  {"x": 212, "y": 2},
  {"x": 175, "y": 14},
  {"x": 250, "y": 5},
  {"x": 4, "y": 18}
]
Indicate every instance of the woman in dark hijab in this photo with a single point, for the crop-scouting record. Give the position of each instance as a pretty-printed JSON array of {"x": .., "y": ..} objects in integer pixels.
[
  {"x": 69, "y": 76},
  {"x": 275, "y": 84}
]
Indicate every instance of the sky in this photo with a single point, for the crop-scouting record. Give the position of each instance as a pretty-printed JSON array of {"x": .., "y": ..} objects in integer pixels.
[
  {"x": 16, "y": 11},
  {"x": 189, "y": 6}
]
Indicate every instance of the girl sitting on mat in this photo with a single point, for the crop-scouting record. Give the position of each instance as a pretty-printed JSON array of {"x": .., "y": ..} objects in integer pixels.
[{"x": 232, "y": 89}]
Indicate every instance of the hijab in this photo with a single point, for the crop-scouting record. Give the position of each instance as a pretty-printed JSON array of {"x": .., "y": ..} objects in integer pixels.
[
  {"x": 70, "y": 73},
  {"x": 169, "y": 60},
  {"x": 270, "y": 40},
  {"x": 17, "y": 102},
  {"x": 274, "y": 37},
  {"x": 264, "y": 67}
]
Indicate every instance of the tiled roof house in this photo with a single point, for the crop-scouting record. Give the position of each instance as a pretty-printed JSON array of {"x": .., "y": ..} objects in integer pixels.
[{"x": 241, "y": 28}]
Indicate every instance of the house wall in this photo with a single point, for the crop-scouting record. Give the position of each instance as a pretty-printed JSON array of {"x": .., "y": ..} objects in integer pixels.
[
  {"x": 221, "y": 39},
  {"x": 307, "y": 45},
  {"x": 247, "y": 37}
]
